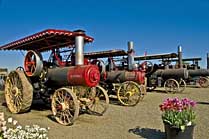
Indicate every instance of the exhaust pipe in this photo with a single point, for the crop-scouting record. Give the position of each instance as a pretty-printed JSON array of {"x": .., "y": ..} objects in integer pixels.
[
  {"x": 180, "y": 56},
  {"x": 79, "y": 44},
  {"x": 131, "y": 54}
]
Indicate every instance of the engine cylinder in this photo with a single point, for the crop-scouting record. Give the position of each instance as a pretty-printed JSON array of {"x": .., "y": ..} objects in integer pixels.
[
  {"x": 122, "y": 76},
  {"x": 85, "y": 75}
]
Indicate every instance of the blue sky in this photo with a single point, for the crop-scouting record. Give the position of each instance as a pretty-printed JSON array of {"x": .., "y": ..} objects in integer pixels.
[{"x": 155, "y": 26}]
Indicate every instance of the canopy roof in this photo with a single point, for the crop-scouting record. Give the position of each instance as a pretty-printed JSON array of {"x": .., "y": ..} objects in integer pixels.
[
  {"x": 156, "y": 56},
  {"x": 103, "y": 54},
  {"x": 189, "y": 59},
  {"x": 46, "y": 40}
]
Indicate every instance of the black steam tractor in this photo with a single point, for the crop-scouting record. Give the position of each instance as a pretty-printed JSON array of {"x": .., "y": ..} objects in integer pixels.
[
  {"x": 120, "y": 75},
  {"x": 197, "y": 75},
  {"x": 170, "y": 77},
  {"x": 57, "y": 80}
]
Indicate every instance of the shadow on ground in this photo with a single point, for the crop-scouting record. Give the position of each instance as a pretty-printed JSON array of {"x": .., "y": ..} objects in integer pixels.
[
  {"x": 114, "y": 101},
  {"x": 148, "y": 133},
  {"x": 157, "y": 91},
  {"x": 39, "y": 105},
  {"x": 203, "y": 103}
]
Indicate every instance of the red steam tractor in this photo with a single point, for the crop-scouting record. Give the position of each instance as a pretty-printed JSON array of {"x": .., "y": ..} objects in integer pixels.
[
  {"x": 57, "y": 80},
  {"x": 120, "y": 75}
]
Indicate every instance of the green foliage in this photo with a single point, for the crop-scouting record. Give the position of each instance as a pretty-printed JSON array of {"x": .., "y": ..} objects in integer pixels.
[{"x": 179, "y": 119}]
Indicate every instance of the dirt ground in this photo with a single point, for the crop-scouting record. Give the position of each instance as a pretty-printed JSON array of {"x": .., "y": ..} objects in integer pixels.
[{"x": 119, "y": 122}]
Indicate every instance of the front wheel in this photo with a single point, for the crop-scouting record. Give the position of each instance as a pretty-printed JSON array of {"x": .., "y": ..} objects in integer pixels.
[
  {"x": 129, "y": 93},
  {"x": 171, "y": 86},
  {"x": 65, "y": 106}
]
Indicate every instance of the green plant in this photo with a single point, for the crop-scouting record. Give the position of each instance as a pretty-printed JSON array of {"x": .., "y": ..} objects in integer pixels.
[{"x": 178, "y": 113}]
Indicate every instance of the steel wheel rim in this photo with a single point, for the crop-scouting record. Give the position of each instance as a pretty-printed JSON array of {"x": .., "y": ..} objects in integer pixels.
[
  {"x": 129, "y": 94},
  {"x": 171, "y": 86},
  {"x": 65, "y": 107},
  {"x": 13, "y": 93},
  {"x": 99, "y": 101}
]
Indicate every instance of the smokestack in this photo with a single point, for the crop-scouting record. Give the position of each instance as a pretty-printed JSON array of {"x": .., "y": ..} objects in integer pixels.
[
  {"x": 180, "y": 56},
  {"x": 130, "y": 55},
  {"x": 207, "y": 60},
  {"x": 79, "y": 44}
]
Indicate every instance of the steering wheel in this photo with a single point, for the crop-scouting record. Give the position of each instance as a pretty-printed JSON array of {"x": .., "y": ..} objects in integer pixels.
[
  {"x": 100, "y": 65},
  {"x": 147, "y": 66}
]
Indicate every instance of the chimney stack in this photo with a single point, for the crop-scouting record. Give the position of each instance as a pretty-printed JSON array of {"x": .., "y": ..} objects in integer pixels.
[
  {"x": 79, "y": 47},
  {"x": 131, "y": 54},
  {"x": 180, "y": 56}
]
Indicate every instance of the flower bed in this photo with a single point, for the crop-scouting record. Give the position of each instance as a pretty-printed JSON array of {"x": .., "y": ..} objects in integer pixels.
[{"x": 10, "y": 129}]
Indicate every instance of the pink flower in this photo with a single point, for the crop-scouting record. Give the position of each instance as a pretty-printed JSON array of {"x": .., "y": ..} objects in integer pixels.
[
  {"x": 176, "y": 104},
  {"x": 192, "y": 103}
]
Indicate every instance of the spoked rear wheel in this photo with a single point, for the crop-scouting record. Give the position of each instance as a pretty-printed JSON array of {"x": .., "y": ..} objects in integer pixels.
[
  {"x": 129, "y": 93},
  {"x": 18, "y": 92},
  {"x": 171, "y": 86},
  {"x": 65, "y": 106},
  {"x": 99, "y": 101}
]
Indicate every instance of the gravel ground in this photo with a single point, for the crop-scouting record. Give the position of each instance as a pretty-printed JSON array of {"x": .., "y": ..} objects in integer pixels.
[{"x": 119, "y": 122}]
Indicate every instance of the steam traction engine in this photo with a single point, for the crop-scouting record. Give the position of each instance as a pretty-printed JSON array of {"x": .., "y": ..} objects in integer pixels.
[
  {"x": 56, "y": 81},
  {"x": 171, "y": 79},
  {"x": 163, "y": 75},
  {"x": 120, "y": 75}
]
